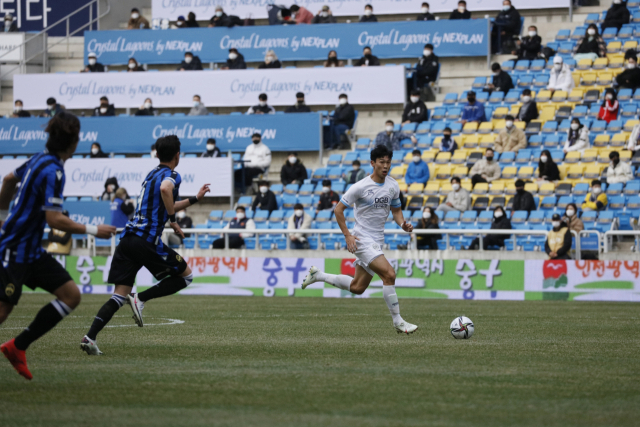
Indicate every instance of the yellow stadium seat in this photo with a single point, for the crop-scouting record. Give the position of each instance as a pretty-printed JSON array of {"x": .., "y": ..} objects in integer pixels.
[
  {"x": 601, "y": 140},
  {"x": 563, "y": 170},
  {"x": 500, "y": 113},
  {"x": 466, "y": 184},
  {"x": 509, "y": 172},
  {"x": 402, "y": 186},
  {"x": 497, "y": 187},
  {"x": 572, "y": 157},
  {"x": 460, "y": 172},
  {"x": 470, "y": 128},
  {"x": 547, "y": 189},
  {"x": 470, "y": 141},
  {"x": 593, "y": 172},
  {"x": 498, "y": 125},
  {"x": 459, "y": 157},
  {"x": 531, "y": 187},
  {"x": 547, "y": 113},
  {"x": 620, "y": 139},
  {"x": 408, "y": 158},
  {"x": 583, "y": 64},
  {"x": 525, "y": 172},
  {"x": 614, "y": 56},
  {"x": 600, "y": 64},
  {"x": 603, "y": 155},
  {"x": 432, "y": 188},
  {"x": 616, "y": 62},
  {"x": 520, "y": 125},
  {"x": 559, "y": 96},
  {"x": 485, "y": 127},
  {"x": 629, "y": 125},
  {"x": 543, "y": 96},
  {"x": 625, "y": 156},
  {"x": 614, "y": 47},
  {"x": 443, "y": 158},
  {"x": 415, "y": 189},
  {"x": 437, "y": 142},
  {"x": 398, "y": 172},
  {"x": 588, "y": 79},
  {"x": 510, "y": 189},
  {"x": 515, "y": 109},
  {"x": 590, "y": 155},
  {"x": 481, "y": 188},
  {"x": 487, "y": 141},
  {"x": 575, "y": 172},
  {"x": 576, "y": 95},
  {"x": 630, "y": 44},
  {"x": 445, "y": 188},
  {"x": 444, "y": 172},
  {"x": 605, "y": 78},
  {"x": 428, "y": 156}
]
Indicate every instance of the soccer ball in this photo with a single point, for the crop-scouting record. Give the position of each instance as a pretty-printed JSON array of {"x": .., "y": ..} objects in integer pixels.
[{"x": 462, "y": 328}]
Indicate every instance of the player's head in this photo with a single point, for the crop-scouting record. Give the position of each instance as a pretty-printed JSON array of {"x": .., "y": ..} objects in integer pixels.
[
  {"x": 64, "y": 132},
  {"x": 381, "y": 160},
  {"x": 168, "y": 149}
]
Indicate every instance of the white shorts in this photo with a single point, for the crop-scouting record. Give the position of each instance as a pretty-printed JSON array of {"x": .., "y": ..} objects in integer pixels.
[{"x": 367, "y": 251}]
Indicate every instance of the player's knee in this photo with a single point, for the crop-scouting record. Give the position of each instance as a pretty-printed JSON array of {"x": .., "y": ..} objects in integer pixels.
[
  {"x": 357, "y": 289},
  {"x": 71, "y": 296},
  {"x": 389, "y": 276}
]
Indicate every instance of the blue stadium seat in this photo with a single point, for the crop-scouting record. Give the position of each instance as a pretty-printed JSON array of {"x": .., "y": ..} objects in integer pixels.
[
  {"x": 563, "y": 35},
  {"x": 291, "y": 189},
  {"x": 508, "y": 65},
  {"x": 334, "y": 160},
  {"x": 478, "y": 83},
  {"x": 276, "y": 189},
  {"x": 450, "y": 98},
  {"x": 524, "y": 156}
]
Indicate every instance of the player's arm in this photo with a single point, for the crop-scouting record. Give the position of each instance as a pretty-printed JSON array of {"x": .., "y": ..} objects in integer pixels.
[
  {"x": 166, "y": 192},
  {"x": 9, "y": 183},
  {"x": 59, "y": 221},
  {"x": 398, "y": 217},
  {"x": 342, "y": 223},
  {"x": 183, "y": 204}
]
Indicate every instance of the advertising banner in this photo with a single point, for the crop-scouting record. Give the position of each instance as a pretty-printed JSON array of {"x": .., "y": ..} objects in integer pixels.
[
  {"x": 220, "y": 88},
  {"x": 94, "y": 213},
  {"x": 291, "y": 43},
  {"x": 280, "y": 132}
]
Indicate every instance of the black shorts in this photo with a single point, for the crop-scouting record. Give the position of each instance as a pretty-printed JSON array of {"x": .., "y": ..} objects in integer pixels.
[
  {"x": 134, "y": 252},
  {"x": 45, "y": 273}
]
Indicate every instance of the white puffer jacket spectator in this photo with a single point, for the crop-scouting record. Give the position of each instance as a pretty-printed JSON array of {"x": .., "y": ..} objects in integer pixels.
[{"x": 259, "y": 156}]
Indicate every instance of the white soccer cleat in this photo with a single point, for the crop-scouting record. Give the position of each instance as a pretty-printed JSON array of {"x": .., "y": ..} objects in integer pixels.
[
  {"x": 405, "y": 327},
  {"x": 310, "y": 278},
  {"x": 90, "y": 347},
  {"x": 136, "y": 306}
]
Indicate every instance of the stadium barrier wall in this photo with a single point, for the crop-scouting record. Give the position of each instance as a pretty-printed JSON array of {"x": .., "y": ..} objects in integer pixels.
[{"x": 291, "y": 43}]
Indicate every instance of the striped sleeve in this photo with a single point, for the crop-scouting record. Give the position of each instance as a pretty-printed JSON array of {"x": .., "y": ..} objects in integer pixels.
[{"x": 53, "y": 184}]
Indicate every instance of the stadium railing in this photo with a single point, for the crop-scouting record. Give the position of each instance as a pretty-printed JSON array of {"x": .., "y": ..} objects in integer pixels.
[{"x": 608, "y": 238}]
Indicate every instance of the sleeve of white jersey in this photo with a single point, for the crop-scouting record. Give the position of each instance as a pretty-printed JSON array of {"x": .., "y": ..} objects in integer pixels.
[
  {"x": 351, "y": 196},
  {"x": 395, "y": 203}
]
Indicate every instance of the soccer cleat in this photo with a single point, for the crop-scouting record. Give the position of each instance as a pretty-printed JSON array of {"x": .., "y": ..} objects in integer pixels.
[
  {"x": 310, "y": 278},
  {"x": 405, "y": 327},
  {"x": 136, "y": 306},
  {"x": 16, "y": 357},
  {"x": 90, "y": 347}
]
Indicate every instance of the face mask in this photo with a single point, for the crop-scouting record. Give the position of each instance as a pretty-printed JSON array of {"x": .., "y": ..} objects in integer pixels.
[
  {"x": 300, "y": 101},
  {"x": 570, "y": 213},
  {"x": 575, "y": 126},
  {"x": 455, "y": 187},
  {"x": 497, "y": 214},
  {"x": 218, "y": 13},
  {"x": 110, "y": 188},
  {"x": 461, "y": 9},
  {"x": 233, "y": 56},
  {"x": 526, "y": 99},
  {"x": 103, "y": 110},
  {"x": 324, "y": 14},
  {"x": 135, "y": 15},
  {"x": 264, "y": 189},
  {"x": 210, "y": 147},
  {"x": 426, "y": 214},
  {"x": 196, "y": 103},
  {"x": 269, "y": 59},
  {"x": 596, "y": 190},
  {"x": 425, "y": 10},
  {"x": 51, "y": 107},
  {"x": 489, "y": 159},
  {"x": 188, "y": 59},
  {"x": 416, "y": 160},
  {"x": 615, "y": 160},
  {"x": 95, "y": 151},
  {"x": 262, "y": 103},
  {"x": 609, "y": 96},
  {"x": 132, "y": 65},
  {"x": 543, "y": 159},
  {"x": 505, "y": 8},
  {"x": 591, "y": 32},
  {"x": 426, "y": 52},
  {"x": 18, "y": 108},
  {"x": 92, "y": 61},
  {"x": 471, "y": 99},
  {"x": 255, "y": 141},
  {"x": 298, "y": 212},
  {"x": 508, "y": 124},
  {"x": 415, "y": 99},
  {"x": 533, "y": 33},
  {"x": 496, "y": 73},
  {"x": 367, "y": 54},
  {"x": 181, "y": 214},
  {"x": 179, "y": 23},
  {"x": 557, "y": 67},
  {"x": 367, "y": 12},
  {"x": 556, "y": 224},
  {"x": 446, "y": 135},
  {"x": 389, "y": 128},
  {"x": 147, "y": 105},
  {"x": 325, "y": 190},
  {"x": 343, "y": 101},
  {"x": 240, "y": 215},
  {"x": 292, "y": 159},
  {"x": 153, "y": 154}
]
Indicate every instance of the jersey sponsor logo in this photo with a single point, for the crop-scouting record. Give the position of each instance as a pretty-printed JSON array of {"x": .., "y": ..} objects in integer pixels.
[
  {"x": 381, "y": 200},
  {"x": 59, "y": 174},
  {"x": 178, "y": 258},
  {"x": 10, "y": 289},
  {"x": 375, "y": 247}
]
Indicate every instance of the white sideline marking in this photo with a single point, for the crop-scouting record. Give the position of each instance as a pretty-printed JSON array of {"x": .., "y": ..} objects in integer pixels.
[{"x": 169, "y": 322}]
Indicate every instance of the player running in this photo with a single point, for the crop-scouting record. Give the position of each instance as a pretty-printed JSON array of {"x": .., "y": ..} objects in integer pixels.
[
  {"x": 24, "y": 262},
  {"x": 372, "y": 198},
  {"x": 141, "y": 243}
]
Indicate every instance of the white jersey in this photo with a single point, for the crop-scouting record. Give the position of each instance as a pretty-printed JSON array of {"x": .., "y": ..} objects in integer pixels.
[{"x": 371, "y": 204}]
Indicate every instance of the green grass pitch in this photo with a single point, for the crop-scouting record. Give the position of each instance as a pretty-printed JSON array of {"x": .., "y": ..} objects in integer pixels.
[{"x": 330, "y": 362}]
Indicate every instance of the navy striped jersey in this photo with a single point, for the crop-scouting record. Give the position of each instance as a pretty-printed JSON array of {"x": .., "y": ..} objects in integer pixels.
[
  {"x": 41, "y": 184},
  {"x": 151, "y": 215}
]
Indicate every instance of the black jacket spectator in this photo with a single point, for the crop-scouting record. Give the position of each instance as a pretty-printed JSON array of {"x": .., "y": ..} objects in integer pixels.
[
  {"x": 237, "y": 64},
  {"x": 111, "y": 111},
  {"x": 616, "y": 16},
  {"x": 225, "y": 21},
  {"x": 344, "y": 114},
  {"x": 415, "y": 112},
  {"x": 328, "y": 200},
  {"x": 194, "y": 65},
  {"x": 264, "y": 109},
  {"x": 95, "y": 68},
  {"x": 265, "y": 202},
  {"x": 629, "y": 78},
  {"x": 501, "y": 223},
  {"x": 509, "y": 21},
  {"x": 596, "y": 45},
  {"x": 457, "y": 15},
  {"x": 52, "y": 112},
  {"x": 13, "y": 28},
  {"x": 503, "y": 82},
  {"x": 329, "y": 19},
  {"x": 272, "y": 64},
  {"x": 146, "y": 112},
  {"x": 298, "y": 108},
  {"x": 427, "y": 69},
  {"x": 293, "y": 172},
  {"x": 213, "y": 153},
  {"x": 528, "y": 112},
  {"x": 21, "y": 113},
  {"x": 427, "y": 241},
  {"x": 370, "y": 18},
  {"x": 530, "y": 47},
  {"x": 373, "y": 61},
  {"x": 426, "y": 17},
  {"x": 523, "y": 202},
  {"x": 548, "y": 170}
]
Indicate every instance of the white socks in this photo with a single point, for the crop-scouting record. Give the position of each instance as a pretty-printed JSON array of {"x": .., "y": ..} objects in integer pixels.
[
  {"x": 340, "y": 281},
  {"x": 390, "y": 297}
]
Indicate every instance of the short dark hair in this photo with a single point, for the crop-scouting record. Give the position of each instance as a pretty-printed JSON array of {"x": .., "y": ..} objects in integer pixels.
[
  {"x": 342, "y": 95},
  {"x": 631, "y": 53},
  {"x": 447, "y": 129},
  {"x": 298, "y": 206},
  {"x": 519, "y": 183},
  {"x": 596, "y": 182},
  {"x": 326, "y": 183},
  {"x": 197, "y": 96},
  {"x": 495, "y": 66},
  {"x": 263, "y": 182},
  {"x": 18, "y": 100},
  {"x": 508, "y": 117},
  {"x": 463, "y": 2},
  {"x": 63, "y": 130},
  {"x": 366, "y": 47},
  {"x": 262, "y": 97},
  {"x": 256, "y": 134},
  {"x": 614, "y": 154},
  {"x": 425, "y": 4},
  {"x": 416, "y": 151},
  {"x": 389, "y": 121},
  {"x": 167, "y": 147},
  {"x": 292, "y": 153},
  {"x": 188, "y": 53},
  {"x": 533, "y": 26},
  {"x": 368, "y": 5},
  {"x": 51, "y": 101},
  {"x": 135, "y": 9},
  {"x": 428, "y": 46},
  {"x": 456, "y": 179},
  {"x": 380, "y": 152},
  {"x": 355, "y": 162},
  {"x": 241, "y": 208},
  {"x": 104, "y": 98},
  {"x": 211, "y": 140},
  {"x": 294, "y": 8},
  {"x": 526, "y": 92},
  {"x": 300, "y": 95},
  {"x": 415, "y": 92},
  {"x": 489, "y": 148},
  {"x": 233, "y": 49}
]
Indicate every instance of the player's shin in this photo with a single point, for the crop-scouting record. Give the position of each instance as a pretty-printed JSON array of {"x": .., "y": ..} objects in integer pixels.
[
  {"x": 391, "y": 298},
  {"x": 168, "y": 286},
  {"x": 340, "y": 281},
  {"x": 105, "y": 314},
  {"x": 46, "y": 319}
]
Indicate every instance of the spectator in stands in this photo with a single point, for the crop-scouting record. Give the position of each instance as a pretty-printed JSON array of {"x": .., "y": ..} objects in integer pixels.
[
  {"x": 9, "y": 24},
  {"x": 418, "y": 170},
  {"x": 629, "y": 78},
  {"x": 262, "y": 107},
  {"x": 577, "y": 138},
  {"x": 461, "y": 12},
  {"x": 368, "y": 15},
  {"x": 547, "y": 169},
  {"x": 485, "y": 169},
  {"x": 634, "y": 140},
  {"x": 529, "y": 109},
  {"x": 300, "y": 220},
  {"x": 53, "y": 108},
  {"x": 220, "y": 19},
  {"x": 235, "y": 61},
  {"x": 559, "y": 239},
  {"x": 368, "y": 59},
  {"x": 344, "y": 117},
  {"x": 18, "y": 110},
  {"x": 490, "y": 241},
  {"x": 618, "y": 171},
  {"x": 425, "y": 15},
  {"x": 332, "y": 60},
  {"x": 560, "y": 77},
  {"x": 105, "y": 109},
  {"x": 415, "y": 111},
  {"x": 591, "y": 46},
  {"x": 530, "y": 45},
  {"x": 448, "y": 144},
  {"x": 355, "y": 174},
  {"x": 301, "y": 14},
  {"x": 610, "y": 107},
  {"x": 190, "y": 63},
  {"x": 240, "y": 222},
  {"x": 329, "y": 198},
  {"x": 617, "y": 16},
  {"x": 212, "y": 150},
  {"x": 571, "y": 218},
  {"x": 595, "y": 200},
  {"x": 147, "y": 109},
  {"x": 429, "y": 221},
  {"x": 191, "y": 21},
  {"x": 121, "y": 208},
  {"x": 523, "y": 200},
  {"x": 257, "y": 157},
  {"x": 181, "y": 22},
  {"x": 427, "y": 66},
  {"x": 270, "y": 60},
  {"x": 293, "y": 171},
  {"x": 457, "y": 200},
  {"x": 300, "y": 106},
  {"x": 133, "y": 66},
  {"x": 137, "y": 21},
  {"x": 198, "y": 108},
  {"x": 473, "y": 111},
  {"x": 266, "y": 200},
  {"x": 507, "y": 24},
  {"x": 501, "y": 80},
  {"x": 93, "y": 66},
  {"x": 391, "y": 138},
  {"x": 510, "y": 138},
  {"x": 324, "y": 16},
  {"x": 59, "y": 241},
  {"x": 184, "y": 221},
  {"x": 96, "y": 152},
  {"x": 110, "y": 188}
]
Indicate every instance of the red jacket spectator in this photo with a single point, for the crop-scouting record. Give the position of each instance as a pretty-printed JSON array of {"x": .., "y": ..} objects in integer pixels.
[
  {"x": 303, "y": 16},
  {"x": 609, "y": 108}
]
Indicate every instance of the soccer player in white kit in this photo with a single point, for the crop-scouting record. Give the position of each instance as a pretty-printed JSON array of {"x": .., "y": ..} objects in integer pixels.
[{"x": 372, "y": 198}]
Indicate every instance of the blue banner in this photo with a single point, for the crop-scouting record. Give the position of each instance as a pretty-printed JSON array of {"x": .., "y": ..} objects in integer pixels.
[
  {"x": 36, "y": 15},
  {"x": 280, "y": 132},
  {"x": 89, "y": 213},
  {"x": 404, "y": 39}
]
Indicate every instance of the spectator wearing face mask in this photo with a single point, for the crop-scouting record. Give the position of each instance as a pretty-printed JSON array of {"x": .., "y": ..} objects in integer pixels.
[
  {"x": 530, "y": 45},
  {"x": 332, "y": 60},
  {"x": 266, "y": 199},
  {"x": 137, "y": 21},
  {"x": 59, "y": 241},
  {"x": 485, "y": 169},
  {"x": 133, "y": 66},
  {"x": 457, "y": 200},
  {"x": 300, "y": 106},
  {"x": 501, "y": 80},
  {"x": 191, "y": 21},
  {"x": 270, "y": 60},
  {"x": 418, "y": 170},
  {"x": 560, "y": 77},
  {"x": 630, "y": 77},
  {"x": 424, "y": 14},
  {"x": 577, "y": 138},
  {"x": 618, "y": 171},
  {"x": 190, "y": 63},
  {"x": 368, "y": 15},
  {"x": 185, "y": 222},
  {"x": 220, "y": 19},
  {"x": 473, "y": 111},
  {"x": 146, "y": 109},
  {"x": 235, "y": 61},
  {"x": 355, "y": 174},
  {"x": 344, "y": 117},
  {"x": 329, "y": 198},
  {"x": 18, "y": 110},
  {"x": 301, "y": 14},
  {"x": 559, "y": 239},
  {"x": 461, "y": 12},
  {"x": 523, "y": 200},
  {"x": 571, "y": 218},
  {"x": 53, "y": 108},
  {"x": 448, "y": 144},
  {"x": 9, "y": 24},
  {"x": 429, "y": 221},
  {"x": 617, "y": 16},
  {"x": 110, "y": 187},
  {"x": 510, "y": 138},
  {"x": 181, "y": 22},
  {"x": 529, "y": 108},
  {"x": 93, "y": 66},
  {"x": 506, "y": 25},
  {"x": 96, "y": 152},
  {"x": 262, "y": 107},
  {"x": 121, "y": 208},
  {"x": 390, "y": 138},
  {"x": 427, "y": 66},
  {"x": 212, "y": 150},
  {"x": 240, "y": 222},
  {"x": 368, "y": 59},
  {"x": 257, "y": 160},
  {"x": 547, "y": 169},
  {"x": 591, "y": 46},
  {"x": 490, "y": 241},
  {"x": 198, "y": 108},
  {"x": 595, "y": 200},
  {"x": 324, "y": 16},
  {"x": 610, "y": 107},
  {"x": 293, "y": 171},
  {"x": 105, "y": 109},
  {"x": 633, "y": 144},
  {"x": 415, "y": 111},
  {"x": 300, "y": 220}
]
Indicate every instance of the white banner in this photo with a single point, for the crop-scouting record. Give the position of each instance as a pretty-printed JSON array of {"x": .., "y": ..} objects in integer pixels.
[
  {"x": 205, "y": 9},
  {"x": 220, "y": 88},
  {"x": 8, "y": 44}
]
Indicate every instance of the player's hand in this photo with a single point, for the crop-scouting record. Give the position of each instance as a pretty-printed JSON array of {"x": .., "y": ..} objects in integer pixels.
[
  {"x": 351, "y": 243},
  {"x": 407, "y": 226},
  {"x": 204, "y": 190},
  {"x": 105, "y": 231},
  {"x": 177, "y": 229}
]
